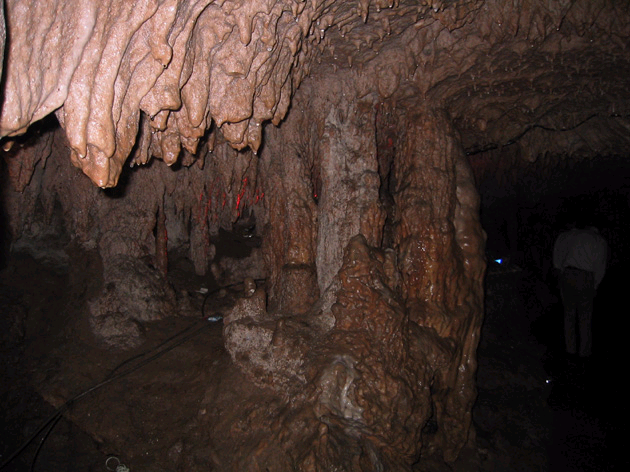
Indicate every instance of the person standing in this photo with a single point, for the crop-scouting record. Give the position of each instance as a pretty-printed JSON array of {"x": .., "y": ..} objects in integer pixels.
[{"x": 579, "y": 256}]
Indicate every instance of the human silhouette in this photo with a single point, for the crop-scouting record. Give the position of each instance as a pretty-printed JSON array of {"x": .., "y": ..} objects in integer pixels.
[{"x": 579, "y": 257}]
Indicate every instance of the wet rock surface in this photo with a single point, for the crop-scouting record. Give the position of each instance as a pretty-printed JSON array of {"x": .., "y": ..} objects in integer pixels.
[
  {"x": 333, "y": 200},
  {"x": 529, "y": 79},
  {"x": 354, "y": 343},
  {"x": 352, "y": 380},
  {"x": 186, "y": 410},
  {"x": 134, "y": 292}
]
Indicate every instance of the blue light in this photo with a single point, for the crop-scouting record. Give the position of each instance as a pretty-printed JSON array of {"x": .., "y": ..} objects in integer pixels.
[{"x": 498, "y": 261}]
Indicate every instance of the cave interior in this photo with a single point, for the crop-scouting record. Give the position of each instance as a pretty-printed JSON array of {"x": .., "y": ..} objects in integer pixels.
[{"x": 308, "y": 235}]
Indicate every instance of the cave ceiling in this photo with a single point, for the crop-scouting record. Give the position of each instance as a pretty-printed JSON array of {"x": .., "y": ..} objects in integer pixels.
[
  {"x": 349, "y": 124},
  {"x": 132, "y": 80}
]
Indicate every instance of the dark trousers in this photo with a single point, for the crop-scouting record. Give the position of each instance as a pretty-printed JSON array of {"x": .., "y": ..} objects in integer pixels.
[{"x": 577, "y": 288}]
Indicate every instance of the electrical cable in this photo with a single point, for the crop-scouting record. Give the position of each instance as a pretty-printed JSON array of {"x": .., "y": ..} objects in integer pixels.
[
  {"x": 63, "y": 408},
  {"x": 166, "y": 341},
  {"x": 41, "y": 443},
  {"x": 111, "y": 377},
  {"x": 163, "y": 343},
  {"x": 203, "y": 324}
]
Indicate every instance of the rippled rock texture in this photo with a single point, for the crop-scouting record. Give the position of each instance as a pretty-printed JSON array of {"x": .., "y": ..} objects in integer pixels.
[{"x": 333, "y": 133}]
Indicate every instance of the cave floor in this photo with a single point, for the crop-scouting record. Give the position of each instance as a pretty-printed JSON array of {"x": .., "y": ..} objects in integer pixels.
[{"x": 535, "y": 409}]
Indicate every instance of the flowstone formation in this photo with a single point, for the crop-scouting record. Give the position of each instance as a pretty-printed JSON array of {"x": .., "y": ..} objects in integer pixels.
[
  {"x": 340, "y": 135},
  {"x": 390, "y": 346}
]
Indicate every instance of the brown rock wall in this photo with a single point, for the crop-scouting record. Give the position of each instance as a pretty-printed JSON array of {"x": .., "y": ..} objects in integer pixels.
[
  {"x": 381, "y": 368},
  {"x": 292, "y": 214},
  {"x": 354, "y": 400},
  {"x": 349, "y": 202},
  {"x": 366, "y": 335},
  {"x": 435, "y": 222},
  {"x": 172, "y": 68}
]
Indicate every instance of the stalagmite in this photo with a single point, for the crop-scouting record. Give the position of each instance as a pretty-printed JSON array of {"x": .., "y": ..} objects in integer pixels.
[
  {"x": 339, "y": 145},
  {"x": 436, "y": 208}
]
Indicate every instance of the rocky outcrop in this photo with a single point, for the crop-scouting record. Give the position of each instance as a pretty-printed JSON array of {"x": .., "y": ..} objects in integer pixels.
[
  {"x": 158, "y": 74},
  {"x": 366, "y": 330},
  {"x": 384, "y": 362}
]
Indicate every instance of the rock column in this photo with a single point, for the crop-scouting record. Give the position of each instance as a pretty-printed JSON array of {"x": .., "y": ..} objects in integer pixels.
[
  {"x": 440, "y": 243},
  {"x": 292, "y": 218},
  {"x": 349, "y": 202}
]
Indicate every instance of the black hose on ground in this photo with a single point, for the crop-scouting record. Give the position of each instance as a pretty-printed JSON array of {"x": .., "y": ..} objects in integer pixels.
[{"x": 201, "y": 325}]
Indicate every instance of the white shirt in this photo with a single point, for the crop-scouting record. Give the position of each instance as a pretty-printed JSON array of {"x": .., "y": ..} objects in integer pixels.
[{"x": 583, "y": 249}]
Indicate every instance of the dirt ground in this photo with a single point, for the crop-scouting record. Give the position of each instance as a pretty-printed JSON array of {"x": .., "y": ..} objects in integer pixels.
[{"x": 162, "y": 406}]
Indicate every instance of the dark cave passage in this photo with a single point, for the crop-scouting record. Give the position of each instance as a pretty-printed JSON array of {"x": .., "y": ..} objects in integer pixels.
[
  {"x": 542, "y": 411},
  {"x": 536, "y": 409},
  {"x": 583, "y": 412},
  {"x": 522, "y": 422},
  {"x": 292, "y": 211}
]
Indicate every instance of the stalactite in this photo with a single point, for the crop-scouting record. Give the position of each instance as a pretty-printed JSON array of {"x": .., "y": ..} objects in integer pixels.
[{"x": 364, "y": 336}]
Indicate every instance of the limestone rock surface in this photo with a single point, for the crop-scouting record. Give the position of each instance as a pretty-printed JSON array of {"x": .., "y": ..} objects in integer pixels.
[{"x": 348, "y": 135}]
